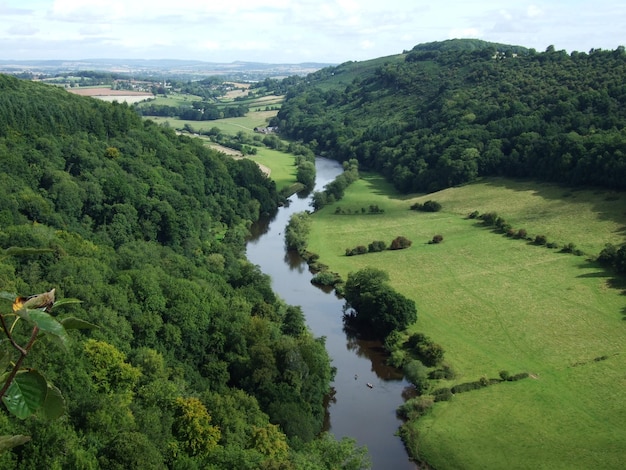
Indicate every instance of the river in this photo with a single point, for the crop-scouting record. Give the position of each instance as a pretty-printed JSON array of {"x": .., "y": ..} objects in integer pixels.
[{"x": 356, "y": 410}]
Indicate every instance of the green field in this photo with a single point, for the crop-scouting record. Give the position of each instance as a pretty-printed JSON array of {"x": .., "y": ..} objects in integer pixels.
[
  {"x": 230, "y": 126},
  {"x": 496, "y": 303},
  {"x": 281, "y": 164},
  {"x": 283, "y": 171}
]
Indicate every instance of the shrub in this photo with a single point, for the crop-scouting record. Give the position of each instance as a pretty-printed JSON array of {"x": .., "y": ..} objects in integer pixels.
[
  {"x": 489, "y": 218},
  {"x": 325, "y": 278},
  {"x": 521, "y": 233},
  {"x": 428, "y": 206},
  {"x": 432, "y": 206},
  {"x": 445, "y": 372},
  {"x": 415, "y": 407},
  {"x": 436, "y": 239},
  {"x": 359, "y": 250},
  {"x": 608, "y": 255},
  {"x": 569, "y": 248},
  {"x": 552, "y": 245},
  {"x": 520, "y": 376},
  {"x": 506, "y": 228},
  {"x": 442, "y": 394},
  {"x": 504, "y": 374},
  {"x": 400, "y": 243},
  {"x": 541, "y": 240},
  {"x": 473, "y": 215},
  {"x": 417, "y": 373},
  {"x": 377, "y": 246}
]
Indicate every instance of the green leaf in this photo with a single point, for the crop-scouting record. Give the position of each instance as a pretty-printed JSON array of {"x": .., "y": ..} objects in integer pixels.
[
  {"x": 62, "y": 302},
  {"x": 72, "y": 323},
  {"x": 48, "y": 324},
  {"x": 5, "y": 359},
  {"x": 8, "y": 442},
  {"x": 26, "y": 394},
  {"x": 54, "y": 405}
]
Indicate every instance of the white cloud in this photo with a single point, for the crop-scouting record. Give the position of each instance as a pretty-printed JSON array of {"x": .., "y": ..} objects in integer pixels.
[
  {"x": 534, "y": 11},
  {"x": 291, "y": 30},
  {"x": 23, "y": 30}
]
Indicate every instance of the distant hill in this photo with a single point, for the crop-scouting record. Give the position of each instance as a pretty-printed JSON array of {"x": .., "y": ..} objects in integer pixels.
[{"x": 169, "y": 68}]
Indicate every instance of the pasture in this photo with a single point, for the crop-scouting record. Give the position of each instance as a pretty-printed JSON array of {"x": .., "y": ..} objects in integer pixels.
[
  {"x": 230, "y": 126},
  {"x": 496, "y": 303}
]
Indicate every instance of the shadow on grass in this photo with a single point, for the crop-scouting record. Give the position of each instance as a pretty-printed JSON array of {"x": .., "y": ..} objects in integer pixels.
[
  {"x": 607, "y": 203},
  {"x": 613, "y": 280}
]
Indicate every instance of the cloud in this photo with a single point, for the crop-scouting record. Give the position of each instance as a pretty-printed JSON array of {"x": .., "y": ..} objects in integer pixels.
[
  {"x": 465, "y": 33},
  {"x": 23, "y": 30},
  {"x": 290, "y": 30},
  {"x": 534, "y": 11}
]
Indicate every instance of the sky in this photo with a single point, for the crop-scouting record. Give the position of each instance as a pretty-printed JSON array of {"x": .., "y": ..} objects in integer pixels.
[{"x": 294, "y": 31}]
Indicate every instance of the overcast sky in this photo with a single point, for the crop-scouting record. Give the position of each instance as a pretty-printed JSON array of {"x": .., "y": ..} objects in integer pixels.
[{"x": 294, "y": 31}]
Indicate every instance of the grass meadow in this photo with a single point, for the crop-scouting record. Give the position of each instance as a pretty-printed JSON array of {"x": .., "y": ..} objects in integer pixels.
[
  {"x": 496, "y": 303},
  {"x": 281, "y": 164},
  {"x": 227, "y": 126}
]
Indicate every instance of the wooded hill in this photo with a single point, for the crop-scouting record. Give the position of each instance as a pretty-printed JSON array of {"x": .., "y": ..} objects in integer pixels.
[
  {"x": 448, "y": 112},
  {"x": 196, "y": 363}
]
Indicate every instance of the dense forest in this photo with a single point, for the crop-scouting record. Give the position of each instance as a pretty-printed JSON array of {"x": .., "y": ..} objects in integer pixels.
[
  {"x": 195, "y": 362},
  {"x": 446, "y": 113}
]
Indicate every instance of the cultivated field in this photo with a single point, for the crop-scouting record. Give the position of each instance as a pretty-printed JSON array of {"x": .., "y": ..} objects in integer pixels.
[
  {"x": 106, "y": 94},
  {"x": 495, "y": 303}
]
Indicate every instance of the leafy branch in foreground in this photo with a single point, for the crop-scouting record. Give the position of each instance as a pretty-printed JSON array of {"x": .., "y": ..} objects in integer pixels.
[{"x": 26, "y": 391}]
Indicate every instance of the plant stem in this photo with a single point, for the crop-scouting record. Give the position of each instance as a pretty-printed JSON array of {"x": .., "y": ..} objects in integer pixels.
[{"x": 23, "y": 354}]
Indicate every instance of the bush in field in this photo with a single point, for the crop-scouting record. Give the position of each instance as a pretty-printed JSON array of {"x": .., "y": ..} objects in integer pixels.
[
  {"x": 436, "y": 239},
  {"x": 400, "y": 243},
  {"x": 429, "y": 352},
  {"x": 489, "y": 218},
  {"x": 521, "y": 233},
  {"x": 428, "y": 206},
  {"x": 473, "y": 215},
  {"x": 541, "y": 240},
  {"x": 571, "y": 248},
  {"x": 608, "y": 255},
  {"x": 444, "y": 372},
  {"x": 377, "y": 246},
  {"x": 442, "y": 394},
  {"x": 359, "y": 250}
]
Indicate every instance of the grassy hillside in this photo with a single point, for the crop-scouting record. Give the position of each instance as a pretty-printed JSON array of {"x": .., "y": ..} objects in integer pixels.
[{"x": 495, "y": 303}]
